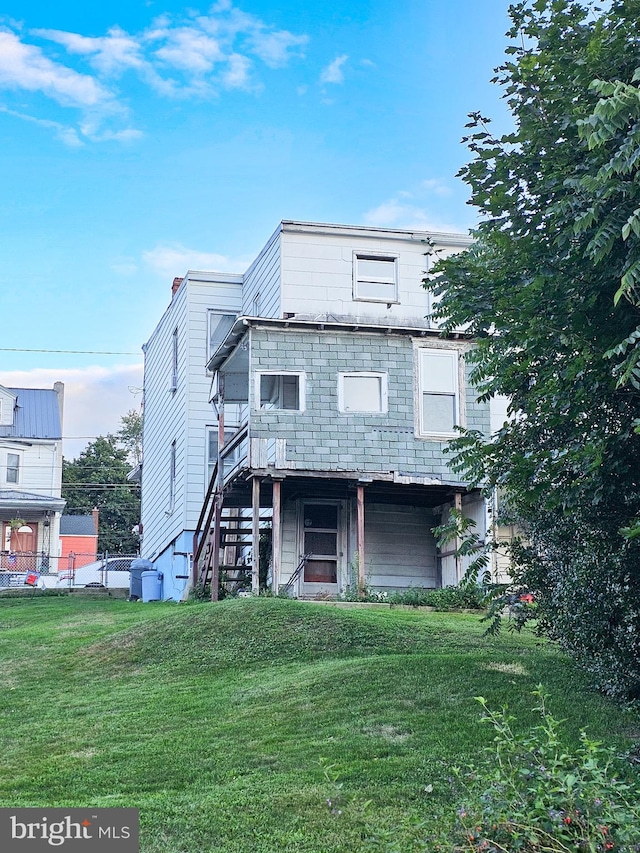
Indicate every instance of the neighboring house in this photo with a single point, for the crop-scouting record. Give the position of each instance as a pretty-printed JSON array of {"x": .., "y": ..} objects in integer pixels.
[
  {"x": 337, "y": 398},
  {"x": 30, "y": 476},
  {"x": 78, "y": 540},
  {"x": 180, "y": 424}
]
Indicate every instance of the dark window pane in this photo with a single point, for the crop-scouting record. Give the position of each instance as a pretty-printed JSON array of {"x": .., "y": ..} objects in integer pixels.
[
  {"x": 321, "y": 571},
  {"x": 320, "y": 543},
  {"x": 321, "y": 515}
]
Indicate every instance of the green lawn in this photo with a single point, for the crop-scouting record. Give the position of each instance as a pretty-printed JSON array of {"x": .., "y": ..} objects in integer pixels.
[{"x": 256, "y": 726}]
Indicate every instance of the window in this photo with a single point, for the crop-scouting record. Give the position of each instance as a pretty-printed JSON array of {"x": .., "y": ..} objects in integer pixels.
[
  {"x": 13, "y": 468},
  {"x": 219, "y": 326},
  {"x": 375, "y": 278},
  {"x": 280, "y": 391},
  {"x": 230, "y": 461},
  {"x": 362, "y": 392},
  {"x": 174, "y": 361},
  {"x": 172, "y": 476},
  {"x": 439, "y": 405}
]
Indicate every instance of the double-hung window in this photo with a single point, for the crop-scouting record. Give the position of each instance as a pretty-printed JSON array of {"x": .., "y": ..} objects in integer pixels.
[
  {"x": 172, "y": 477},
  {"x": 174, "y": 360},
  {"x": 375, "y": 278},
  {"x": 362, "y": 392},
  {"x": 13, "y": 468},
  {"x": 439, "y": 392}
]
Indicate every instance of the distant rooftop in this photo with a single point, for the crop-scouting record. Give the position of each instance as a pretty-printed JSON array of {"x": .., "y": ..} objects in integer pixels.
[{"x": 37, "y": 415}]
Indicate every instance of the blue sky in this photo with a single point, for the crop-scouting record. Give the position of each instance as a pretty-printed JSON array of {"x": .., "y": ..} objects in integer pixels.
[{"x": 140, "y": 139}]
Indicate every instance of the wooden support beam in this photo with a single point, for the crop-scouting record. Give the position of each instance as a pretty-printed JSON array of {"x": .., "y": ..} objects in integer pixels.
[
  {"x": 457, "y": 503},
  {"x": 215, "y": 567},
  {"x": 276, "y": 539},
  {"x": 360, "y": 536},
  {"x": 255, "y": 535}
]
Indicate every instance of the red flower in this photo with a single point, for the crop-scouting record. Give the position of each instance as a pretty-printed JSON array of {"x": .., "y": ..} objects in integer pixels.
[{"x": 527, "y": 598}]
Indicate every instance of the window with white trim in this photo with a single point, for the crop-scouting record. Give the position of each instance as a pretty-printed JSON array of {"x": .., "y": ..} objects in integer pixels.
[
  {"x": 172, "y": 476},
  {"x": 362, "y": 392},
  {"x": 375, "y": 278},
  {"x": 13, "y": 468},
  {"x": 280, "y": 390},
  {"x": 218, "y": 327},
  {"x": 174, "y": 360},
  {"x": 439, "y": 392}
]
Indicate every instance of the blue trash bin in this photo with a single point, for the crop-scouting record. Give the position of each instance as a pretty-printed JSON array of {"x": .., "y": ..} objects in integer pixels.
[
  {"x": 152, "y": 586},
  {"x": 135, "y": 581}
]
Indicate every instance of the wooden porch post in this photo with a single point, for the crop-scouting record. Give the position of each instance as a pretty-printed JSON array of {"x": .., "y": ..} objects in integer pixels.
[
  {"x": 276, "y": 540},
  {"x": 215, "y": 569},
  {"x": 360, "y": 536},
  {"x": 457, "y": 503},
  {"x": 255, "y": 535}
]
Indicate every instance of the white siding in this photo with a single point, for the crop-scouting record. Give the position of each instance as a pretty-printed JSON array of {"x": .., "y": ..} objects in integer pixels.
[
  {"x": 179, "y": 415},
  {"x": 261, "y": 292},
  {"x": 317, "y": 276},
  {"x": 400, "y": 550}
]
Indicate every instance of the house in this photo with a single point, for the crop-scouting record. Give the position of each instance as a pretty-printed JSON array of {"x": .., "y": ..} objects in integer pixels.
[
  {"x": 78, "y": 540},
  {"x": 30, "y": 477},
  {"x": 180, "y": 424},
  {"x": 316, "y": 397}
]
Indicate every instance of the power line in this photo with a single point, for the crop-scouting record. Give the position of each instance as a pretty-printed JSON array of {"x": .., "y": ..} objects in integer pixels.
[{"x": 68, "y": 351}]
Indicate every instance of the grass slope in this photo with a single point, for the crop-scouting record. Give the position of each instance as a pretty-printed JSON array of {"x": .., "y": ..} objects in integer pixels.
[{"x": 256, "y": 726}]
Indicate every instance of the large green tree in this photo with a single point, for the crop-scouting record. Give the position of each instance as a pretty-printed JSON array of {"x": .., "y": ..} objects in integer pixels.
[
  {"x": 550, "y": 292},
  {"x": 98, "y": 478}
]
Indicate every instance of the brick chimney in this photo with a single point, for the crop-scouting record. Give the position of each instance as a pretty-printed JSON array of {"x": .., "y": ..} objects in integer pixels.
[
  {"x": 176, "y": 284},
  {"x": 95, "y": 512}
]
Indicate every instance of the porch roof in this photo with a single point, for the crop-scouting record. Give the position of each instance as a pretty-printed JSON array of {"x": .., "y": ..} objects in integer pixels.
[{"x": 27, "y": 502}]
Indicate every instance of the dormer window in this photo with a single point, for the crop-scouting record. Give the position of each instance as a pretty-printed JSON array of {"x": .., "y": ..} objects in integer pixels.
[{"x": 375, "y": 278}]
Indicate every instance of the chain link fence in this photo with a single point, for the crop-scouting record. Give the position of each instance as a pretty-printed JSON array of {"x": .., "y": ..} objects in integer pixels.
[{"x": 108, "y": 571}]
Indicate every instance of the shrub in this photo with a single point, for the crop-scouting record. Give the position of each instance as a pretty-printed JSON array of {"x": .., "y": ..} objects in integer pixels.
[
  {"x": 447, "y": 598},
  {"x": 535, "y": 794}
]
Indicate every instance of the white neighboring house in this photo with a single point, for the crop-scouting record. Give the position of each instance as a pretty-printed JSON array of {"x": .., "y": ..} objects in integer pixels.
[
  {"x": 180, "y": 424},
  {"x": 336, "y": 384},
  {"x": 30, "y": 477}
]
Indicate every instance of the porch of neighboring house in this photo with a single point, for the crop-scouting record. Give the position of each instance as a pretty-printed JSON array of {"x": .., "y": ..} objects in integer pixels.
[
  {"x": 26, "y": 523},
  {"x": 326, "y": 533}
]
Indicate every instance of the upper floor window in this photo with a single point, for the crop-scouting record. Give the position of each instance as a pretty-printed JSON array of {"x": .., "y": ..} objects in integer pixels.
[
  {"x": 231, "y": 459},
  {"x": 13, "y": 468},
  {"x": 362, "y": 392},
  {"x": 219, "y": 326},
  {"x": 439, "y": 402},
  {"x": 172, "y": 476},
  {"x": 375, "y": 278},
  {"x": 280, "y": 391},
  {"x": 174, "y": 360}
]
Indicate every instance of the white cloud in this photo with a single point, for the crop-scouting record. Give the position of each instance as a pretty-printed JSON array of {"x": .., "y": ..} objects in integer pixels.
[
  {"x": 188, "y": 49},
  {"x": 413, "y": 209},
  {"x": 110, "y": 54},
  {"x": 24, "y": 66},
  {"x": 276, "y": 48},
  {"x": 174, "y": 260},
  {"x": 333, "y": 72},
  {"x": 95, "y": 398},
  {"x": 177, "y": 56},
  {"x": 67, "y": 135}
]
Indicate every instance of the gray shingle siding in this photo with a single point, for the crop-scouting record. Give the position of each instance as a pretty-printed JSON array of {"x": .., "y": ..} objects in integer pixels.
[{"x": 321, "y": 437}]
